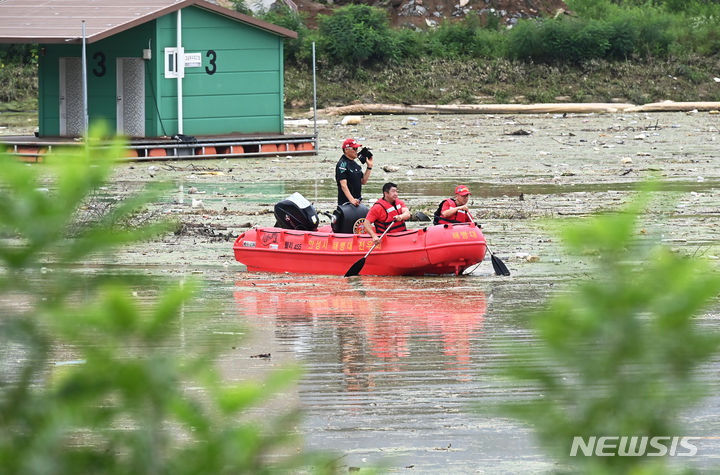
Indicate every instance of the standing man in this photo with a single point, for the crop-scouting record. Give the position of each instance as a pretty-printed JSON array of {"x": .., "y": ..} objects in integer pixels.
[
  {"x": 454, "y": 210},
  {"x": 349, "y": 175},
  {"x": 387, "y": 211}
]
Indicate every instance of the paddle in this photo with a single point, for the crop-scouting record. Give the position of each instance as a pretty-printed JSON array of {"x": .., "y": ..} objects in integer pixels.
[
  {"x": 497, "y": 263},
  {"x": 357, "y": 267}
]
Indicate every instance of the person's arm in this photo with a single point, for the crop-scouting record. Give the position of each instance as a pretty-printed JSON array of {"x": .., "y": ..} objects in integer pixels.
[
  {"x": 368, "y": 225},
  {"x": 451, "y": 210},
  {"x": 404, "y": 216},
  {"x": 366, "y": 175},
  {"x": 346, "y": 192}
]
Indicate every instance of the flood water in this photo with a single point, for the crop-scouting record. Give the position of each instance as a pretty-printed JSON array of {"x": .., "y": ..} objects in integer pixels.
[
  {"x": 397, "y": 371},
  {"x": 394, "y": 366}
]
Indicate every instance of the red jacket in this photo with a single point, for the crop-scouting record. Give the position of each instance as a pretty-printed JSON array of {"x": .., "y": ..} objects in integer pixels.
[
  {"x": 460, "y": 216},
  {"x": 382, "y": 214}
]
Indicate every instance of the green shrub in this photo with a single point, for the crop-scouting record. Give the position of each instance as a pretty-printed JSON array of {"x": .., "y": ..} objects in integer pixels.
[
  {"x": 18, "y": 82},
  {"x": 493, "y": 22},
  {"x": 357, "y": 35},
  {"x": 593, "y": 9},
  {"x": 465, "y": 39},
  {"x": 490, "y": 44},
  {"x": 584, "y": 41},
  {"x": 241, "y": 7},
  {"x": 636, "y": 32},
  {"x": 655, "y": 33},
  {"x": 524, "y": 41},
  {"x": 700, "y": 35},
  {"x": 623, "y": 38},
  {"x": 12, "y": 54},
  {"x": 618, "y": 354},
  {"x": 131, "y": 396},
  {"x": 452, "y": 40},
  {"x": 600, "y": 9},
  {"x": 406, "y": 45}
]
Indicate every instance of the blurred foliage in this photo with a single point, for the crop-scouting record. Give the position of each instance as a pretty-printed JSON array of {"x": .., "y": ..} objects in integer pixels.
[
  {"x": 618, "y": 355},
  {"x": 92, "y": 380}
]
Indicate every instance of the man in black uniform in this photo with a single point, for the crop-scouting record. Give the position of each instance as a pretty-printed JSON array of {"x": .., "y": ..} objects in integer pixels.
[{"x": 349, "y": 175}]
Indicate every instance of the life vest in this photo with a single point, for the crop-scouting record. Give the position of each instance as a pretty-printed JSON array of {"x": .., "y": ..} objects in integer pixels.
[
  {"x": 461, "y": 216},
  {"x": 390, "y": 212}
]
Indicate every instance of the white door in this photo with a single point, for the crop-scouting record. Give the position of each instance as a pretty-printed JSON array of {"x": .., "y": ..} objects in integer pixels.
[
  {"x": 131, "y": 96},
  {"x": 72, "y": 122}
]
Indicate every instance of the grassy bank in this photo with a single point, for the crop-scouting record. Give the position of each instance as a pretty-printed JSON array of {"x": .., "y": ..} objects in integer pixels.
[{"x": 447, "y": 81}]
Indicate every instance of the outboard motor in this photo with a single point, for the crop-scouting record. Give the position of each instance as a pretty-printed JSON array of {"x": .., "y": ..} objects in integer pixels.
[
  {"x": 295, "y": 212},
  {"x": 349, "y": 219}
]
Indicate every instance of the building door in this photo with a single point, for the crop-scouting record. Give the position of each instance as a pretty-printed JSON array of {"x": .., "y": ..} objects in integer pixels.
[
  {"x": 131, "y": 96},
  {"x": 72, "y": 122}
]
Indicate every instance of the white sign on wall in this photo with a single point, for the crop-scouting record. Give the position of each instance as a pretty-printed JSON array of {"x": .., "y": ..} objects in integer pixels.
[{"x": 193, "y": 60}]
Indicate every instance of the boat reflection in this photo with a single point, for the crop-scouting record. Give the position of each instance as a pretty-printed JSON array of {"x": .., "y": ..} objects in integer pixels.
[{"x": 367, "y": 326}]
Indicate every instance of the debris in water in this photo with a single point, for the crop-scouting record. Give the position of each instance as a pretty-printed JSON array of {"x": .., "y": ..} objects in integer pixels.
[
  {"x": 519, "y": 132},
  {"x": 351, "y": 120}
]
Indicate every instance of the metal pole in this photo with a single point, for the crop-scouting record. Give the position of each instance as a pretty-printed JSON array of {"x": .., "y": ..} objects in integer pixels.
[
  {"x": 180, "y": 72},
  {"x": 315, "y": 99},
  {"x": 84, "y": 81}
]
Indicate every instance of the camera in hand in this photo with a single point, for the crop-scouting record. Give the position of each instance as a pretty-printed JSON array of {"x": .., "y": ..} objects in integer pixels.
[{"x": 364, "y": 154}]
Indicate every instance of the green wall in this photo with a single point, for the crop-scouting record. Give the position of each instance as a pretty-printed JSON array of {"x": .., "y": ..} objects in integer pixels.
[
  {"x": 101, "y": 78},
  {"x": 244, "y": 94}
]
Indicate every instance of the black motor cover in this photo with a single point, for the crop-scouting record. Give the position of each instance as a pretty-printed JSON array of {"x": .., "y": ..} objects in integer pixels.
[
  {"x": 346, "y": 218},
  {"x": 295, "y": 212}
]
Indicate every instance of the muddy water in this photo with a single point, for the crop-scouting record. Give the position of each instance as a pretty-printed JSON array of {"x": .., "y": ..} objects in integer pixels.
[
  {"x": 397, "y": 370},
  {"x": 393, "y": 365}
]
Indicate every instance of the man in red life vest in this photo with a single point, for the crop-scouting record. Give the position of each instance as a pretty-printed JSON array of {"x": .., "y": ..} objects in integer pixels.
[
  {"x": 455, "y": 210},
  {"x": 387, "y": 211}
]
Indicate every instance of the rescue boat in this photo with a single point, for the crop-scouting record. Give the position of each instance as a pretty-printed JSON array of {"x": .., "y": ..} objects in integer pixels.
[{"x": 434, "y": 250}]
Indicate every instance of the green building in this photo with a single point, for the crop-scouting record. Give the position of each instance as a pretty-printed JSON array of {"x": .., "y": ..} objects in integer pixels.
[{"x": 154, "y": 67}]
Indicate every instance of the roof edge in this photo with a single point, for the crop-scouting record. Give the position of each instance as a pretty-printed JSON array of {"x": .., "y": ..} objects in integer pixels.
[
  {"x": 279, "y": 30},
  {"x": 132, "y": 24},
  {"x": 269, "y": 27}
]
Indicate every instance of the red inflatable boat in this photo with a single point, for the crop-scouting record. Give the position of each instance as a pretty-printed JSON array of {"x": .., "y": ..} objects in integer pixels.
[{"x": 435, "y": 250}]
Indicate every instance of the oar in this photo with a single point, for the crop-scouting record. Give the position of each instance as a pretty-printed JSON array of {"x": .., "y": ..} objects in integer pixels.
[
  {"x": 497, "y": 263},
  {"x": 357, "y": 267}
]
